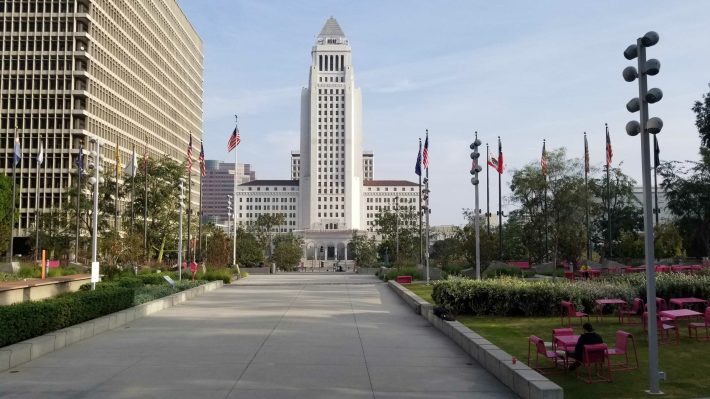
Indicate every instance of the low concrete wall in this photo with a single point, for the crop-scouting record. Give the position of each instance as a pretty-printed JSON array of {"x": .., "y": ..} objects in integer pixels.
[
  {"x": 256, "y": 270},
  {"x": 35, "y": 290},
  {"x": 22, "y": 352},
  {"x": 519, "y": 377}
]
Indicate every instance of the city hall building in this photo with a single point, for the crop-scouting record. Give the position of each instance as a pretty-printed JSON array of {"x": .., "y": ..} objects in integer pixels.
[
  {"x": 126, "y": 72},
  {"x": 332, "y": 192}
]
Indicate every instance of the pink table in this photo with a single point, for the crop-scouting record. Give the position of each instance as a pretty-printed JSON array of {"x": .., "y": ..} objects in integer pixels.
[
  {"x": 679, "y": 313},
  {"x": 566, "y": 342},
  {"x": 681, "y": 302},
  {"x": 613, "y": 302}
]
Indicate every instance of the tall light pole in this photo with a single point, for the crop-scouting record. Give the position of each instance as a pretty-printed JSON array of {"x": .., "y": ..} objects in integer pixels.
[
  {"x": 475, "y": 169},
  {"x": 95, "y": 181},
  {"x": 396, "y": 227},
  {"x": 181, "y": 199},
  {"x": 229, "y": 220},
  {"x": 633, "y": 128}
]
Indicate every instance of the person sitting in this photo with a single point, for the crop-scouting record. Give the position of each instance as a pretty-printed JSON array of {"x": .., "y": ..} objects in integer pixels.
[{"x": 589, "y": 337}]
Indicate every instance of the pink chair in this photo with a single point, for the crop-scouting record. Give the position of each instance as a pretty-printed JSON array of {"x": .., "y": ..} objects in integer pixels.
[
  {"x": 596, "y": 357},
  {"x": 570, "y": 276},
  {"x": 704, "y": 324},
  {"x": 664, "y": 328},
  {"x": 629, "y": 315},
  {"x": 620, "y": 348},
  {"x": 569, "y": 311},
  {"x": 556, "y": 332},
  {"x": 540, "y": 351}
]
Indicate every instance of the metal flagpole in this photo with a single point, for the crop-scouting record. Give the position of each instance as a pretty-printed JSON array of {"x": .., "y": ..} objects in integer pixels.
[
  {"x": 79, "y": 170},
  {"x": 488, "y": 193},
  {"x": 14, "y": 191},
  {"x": 145, "y": 196},
  {"x": 544, "y": 204},
  {"x": 189, "y": 203},
  {"x": 199, "y": 212},
  {"x": 428, "y": 204},
  {"x": 40, "y": 156},
  {"x": 608, "y": 191},
  {"x": 500, "y": 202},
  {"x": 421, "y": 237},
  {"x": 234, "y": 196},
  {"x": 586, "y": 197},
  {"x": 133, "y": 186},
  {"x": 115, "y": 200}
]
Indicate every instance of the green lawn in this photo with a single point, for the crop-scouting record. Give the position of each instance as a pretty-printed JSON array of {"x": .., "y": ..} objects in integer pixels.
[{"x": 687, "y": 365}]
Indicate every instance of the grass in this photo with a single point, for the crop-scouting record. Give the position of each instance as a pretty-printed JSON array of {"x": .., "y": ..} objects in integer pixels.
[{"x": 686, "y": 364}]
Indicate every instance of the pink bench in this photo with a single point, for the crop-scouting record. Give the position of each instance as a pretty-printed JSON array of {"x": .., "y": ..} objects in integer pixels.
[
  {"x": 52, "y": 263},
  {"x": 404, "y": 279}
]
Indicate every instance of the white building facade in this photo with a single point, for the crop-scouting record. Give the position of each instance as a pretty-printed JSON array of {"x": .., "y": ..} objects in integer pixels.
[{"x": 331, "y": 193}]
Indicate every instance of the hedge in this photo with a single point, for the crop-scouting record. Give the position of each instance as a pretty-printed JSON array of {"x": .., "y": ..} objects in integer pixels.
[{"x": 22, "y": 321}]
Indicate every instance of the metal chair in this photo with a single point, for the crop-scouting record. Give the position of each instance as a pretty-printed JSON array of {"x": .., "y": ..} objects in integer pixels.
[{"x": 621, "y": 347}]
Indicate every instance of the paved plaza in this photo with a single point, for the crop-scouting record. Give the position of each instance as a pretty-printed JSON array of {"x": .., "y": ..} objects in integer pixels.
[{"x": 285, "y": 336}]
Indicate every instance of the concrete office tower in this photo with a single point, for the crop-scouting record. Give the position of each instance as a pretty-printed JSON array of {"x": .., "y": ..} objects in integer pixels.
[
  {"x": 127, "y": 72},
  {"x": 331, "y": 169},
  {"x": 217, "y": 184}
]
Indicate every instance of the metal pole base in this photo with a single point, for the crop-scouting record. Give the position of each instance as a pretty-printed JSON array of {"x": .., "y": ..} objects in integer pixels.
[{"x": 654, "y": 393}]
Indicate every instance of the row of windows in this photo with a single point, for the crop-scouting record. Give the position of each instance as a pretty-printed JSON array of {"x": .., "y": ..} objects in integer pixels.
[
  {"x": 258, "y": 188},
  {"x": 332, "y": 215},
  {"x": 394, "y": 189},
  {"x": 40, "y": 7},
  {"x": 332, "y": 91},
  {"x": 269, "y": 207},
  {"x": 337, "y": 183},
  {"x": 331, "y": 79},
  {"x": 389, "y": 207},
  {"x": 331, "y": 62},
  {"x": 389, "y": 199},
  {"x": 268, "y": 199},
  {"x": 326, "y": 191}
]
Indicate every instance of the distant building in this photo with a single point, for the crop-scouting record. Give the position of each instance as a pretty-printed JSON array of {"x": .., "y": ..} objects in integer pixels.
[
  {"x": 331, "y": 193},
  {"x": 664, "y": 214},
  {"x": 217, "y": 184}
]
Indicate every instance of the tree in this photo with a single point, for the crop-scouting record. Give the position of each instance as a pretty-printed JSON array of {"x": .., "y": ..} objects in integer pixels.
[
  {"x": 687, "y": 187},
  {"x": 446, "y": 250},
  {"x": 218, "y": 249},
  {"x": 249, "y": 251},
  {"x": 398, "y": 226},
  {"x": 668, "y": 241},
  {"x": 554, "y": 207},
  {"x": 263, "y": 229},
  {"x": 626, "y": 214},
  {"x": 287, "y": 251},
  {"x": 364, "y": 250},
  {"x": 702, "y": 119},
  {"x": 6, "y": 219},
  {"x": 466, "y": 237}
]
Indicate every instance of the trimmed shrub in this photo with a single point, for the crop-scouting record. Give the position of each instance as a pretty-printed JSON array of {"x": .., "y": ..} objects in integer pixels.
[
  {"x": 26, "y": 320},
  {"x": 500, "y": 270},
  {"x": 212, "y": 275},
  {"x": 153, "y": 279},
  {"x": 518, "y": 297}
]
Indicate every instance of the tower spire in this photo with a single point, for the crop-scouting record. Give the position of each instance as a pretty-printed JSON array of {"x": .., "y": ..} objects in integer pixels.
[{"x": 331, "y": 30}]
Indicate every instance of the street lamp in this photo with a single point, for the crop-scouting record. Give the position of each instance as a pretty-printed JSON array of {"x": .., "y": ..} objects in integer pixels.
[
  {"x": 229, "y": 218},
  {"x": 475, "y": 170},
  {"x": 396, "y": 227},
  {"x": 633, "y": 128},
  {"x": 181, "y": 199},
  {"x": 95, "y": 181}
]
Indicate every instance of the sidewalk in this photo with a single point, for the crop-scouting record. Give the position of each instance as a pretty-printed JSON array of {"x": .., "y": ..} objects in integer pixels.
[{"x": 285, "y": 336}]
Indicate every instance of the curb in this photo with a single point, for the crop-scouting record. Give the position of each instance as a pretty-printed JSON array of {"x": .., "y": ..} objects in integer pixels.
[
  {"x": 22, "y": 352},
  {"x": 519, "y": 377}
]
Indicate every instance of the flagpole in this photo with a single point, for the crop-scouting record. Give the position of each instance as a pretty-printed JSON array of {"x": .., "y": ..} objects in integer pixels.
[
  {"x": 234, "y": 197},
  {"x": 199, "y": 213},
  {"x": 14, "y": 193},
  {"x": 428, "y": 210},
  {"x": 133, "y": 187},
  {"x": 79, "y": 167},
  {"x": 544, "y": 204},
  {"x": 488, "y": 193},
  {"x": 421, "y": 238},
  {"x": 115, "y": 200},
  {"x": 586, "y": 198},
  {"x": 37, "y": 202},
  {"x": 189, "y": 204},
  {"x": 500, "y": 203},
  {"x": 145, "y": 197},
  {"x": 608, "y": 191}
]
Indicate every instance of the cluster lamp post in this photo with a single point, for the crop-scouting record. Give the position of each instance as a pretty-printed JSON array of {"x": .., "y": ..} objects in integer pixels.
[
  {"x": 95, "y": 181},
  {"x": 475, "y": 170}
]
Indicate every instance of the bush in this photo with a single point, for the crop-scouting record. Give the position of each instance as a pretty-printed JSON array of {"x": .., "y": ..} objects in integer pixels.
[
  {"x": 405, "y": 271},
  {"x": 148, "y": 293},
  {"x": 26, "y": 320},
  {"x": 213, "y": 275},
  {"x": 153, "y": 279},
  {"x": 518, "y": 297},
  {"x": 499, "y": 271}
]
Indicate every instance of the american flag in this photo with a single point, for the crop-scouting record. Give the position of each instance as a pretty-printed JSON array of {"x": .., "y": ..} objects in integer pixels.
[
  {"x": 234, "y": 140},
  {"x": 189, "y": 156},
  {"x": 425, "y": 154},
  {"x": 497, "y": 163},
  {"x": 609, "y": 152},
  {"x": 203, "y": 171},
  {"x": 543, "y": 159}
]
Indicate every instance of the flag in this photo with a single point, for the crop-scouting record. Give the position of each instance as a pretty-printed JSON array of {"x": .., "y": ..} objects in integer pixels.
[
  {"x": 609, "y": 152},
  {"x": 586, "y": 154},
  {"x": 497, "y": 163},
  {"x": 189, "y": 156},
  {"x": 130, "y": 169},
  {"x": 203, "y": 169},
  {"x": 234, "y": 140},
  {"x": 40, "y": 154},
  {"x": 80, "y": 161},
  {"x": 118, "y": 160},
  {"x": 418, "y": 166},
  {"x": 425, "y": 154},
  {"x": 18, "y": 152},
  {"x": 656, "y": 152},
  {"x": 543, "y": 160}
]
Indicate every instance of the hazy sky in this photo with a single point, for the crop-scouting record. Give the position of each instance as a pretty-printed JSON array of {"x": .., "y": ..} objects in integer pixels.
[{"x": 520, "y": 70}]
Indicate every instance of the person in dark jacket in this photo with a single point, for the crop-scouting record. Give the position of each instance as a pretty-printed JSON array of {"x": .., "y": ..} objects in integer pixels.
[{"x": 588, "y": 337}]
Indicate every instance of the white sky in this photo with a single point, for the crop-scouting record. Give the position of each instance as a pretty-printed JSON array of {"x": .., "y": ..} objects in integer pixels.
[{"x": 521, "y": 70}]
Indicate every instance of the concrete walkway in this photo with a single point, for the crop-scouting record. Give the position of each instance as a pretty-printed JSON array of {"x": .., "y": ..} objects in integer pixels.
[{"x": 285, "y": 336}]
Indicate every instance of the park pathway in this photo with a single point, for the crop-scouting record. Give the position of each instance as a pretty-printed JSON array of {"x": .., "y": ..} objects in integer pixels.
[{"x": 285, "y": 336}]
